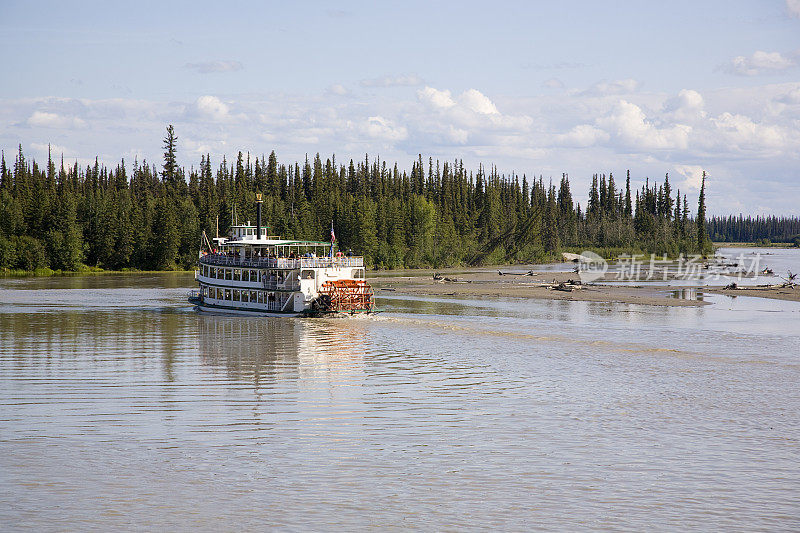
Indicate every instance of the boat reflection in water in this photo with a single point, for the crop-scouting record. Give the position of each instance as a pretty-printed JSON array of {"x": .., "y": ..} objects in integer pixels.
[{"x": 263, "y": 349}]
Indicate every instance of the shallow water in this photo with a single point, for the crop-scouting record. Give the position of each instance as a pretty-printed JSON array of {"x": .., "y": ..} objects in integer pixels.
[
  {"x": 121, "y": 408},
  {"x": 744, "y": 266}
]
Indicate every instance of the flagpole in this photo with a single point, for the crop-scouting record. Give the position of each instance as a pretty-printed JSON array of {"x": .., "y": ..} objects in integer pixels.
[{"x": 333, "y": 239}]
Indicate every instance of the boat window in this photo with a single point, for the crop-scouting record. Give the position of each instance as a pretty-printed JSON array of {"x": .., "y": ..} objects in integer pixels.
[
  {"x": 228, "y": 294},
  {"x": 358, "y": 273},
  {"x": 307, "y": 274}
]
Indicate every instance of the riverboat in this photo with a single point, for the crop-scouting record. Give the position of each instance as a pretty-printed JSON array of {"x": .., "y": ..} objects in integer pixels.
[{"x": 249, "y": 272}]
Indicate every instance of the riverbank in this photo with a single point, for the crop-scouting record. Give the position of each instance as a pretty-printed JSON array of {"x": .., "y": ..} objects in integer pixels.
[
  {"x": 776, "y": 293},
  {"x": 89, "y": 271},
  {"x": 754, "y": 245},
  {"x": 531, "y": 281},
  {"x": 485, "y": 283}
]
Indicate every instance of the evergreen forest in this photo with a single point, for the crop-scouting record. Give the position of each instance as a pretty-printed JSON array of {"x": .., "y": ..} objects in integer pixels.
[
  {"x": 760, "y": 230},
  {"x": 150, "y": 217}
]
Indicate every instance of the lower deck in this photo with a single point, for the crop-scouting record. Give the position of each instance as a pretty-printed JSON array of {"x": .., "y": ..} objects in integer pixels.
[
  {"x": 247, "y": 299},
  {"x": 209, "y": 307}
]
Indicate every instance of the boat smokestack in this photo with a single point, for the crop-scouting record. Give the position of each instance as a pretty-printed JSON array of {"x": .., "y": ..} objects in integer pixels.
[{"x": 258, "y": 216}]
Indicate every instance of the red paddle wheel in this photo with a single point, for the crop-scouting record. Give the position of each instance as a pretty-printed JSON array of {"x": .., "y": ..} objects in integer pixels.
[{"x": 347, "y": 295}]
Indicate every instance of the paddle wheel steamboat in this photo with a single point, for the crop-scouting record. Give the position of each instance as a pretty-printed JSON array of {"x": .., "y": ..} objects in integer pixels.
[{"x": 249, "y": 272}]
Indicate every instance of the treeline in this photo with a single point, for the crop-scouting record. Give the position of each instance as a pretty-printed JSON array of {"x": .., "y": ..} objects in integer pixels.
[
  {"x": 438, "y": 214},
  {"x": 755, "y": 229}
]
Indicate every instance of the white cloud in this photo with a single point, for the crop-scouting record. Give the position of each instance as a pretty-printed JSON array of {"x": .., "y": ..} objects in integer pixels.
[
  {"x": 791, "y": 97},
  {"x": 478, "y": 102},
  {"x": 553, "y": 83},
  {"x": 211, "y": 107},
  {"x": 793, "y": 7},
  {"x": 56, "y": 150},
  {"x": 605, "y": 88},
  {"x": 759, "y": 63},
  {"x": 46, "y": 119},
  {"x": 470, "y": 119},
  {"x": 688, "y": 106},
  {"x": 408, "y": 80},
  {"x": 208, "y": 67},
  {"x": 582, "y": 136},
  {"x": 628, "y": 124},
  {"x": 382, "y": 128},
  {"x": 435, "y": 97},
  {"x": 338, "y": 89},
  {"x": 692, "y": 177},
  {"x": 742, "y": 133},
  {"x": 457, "y": 135}
]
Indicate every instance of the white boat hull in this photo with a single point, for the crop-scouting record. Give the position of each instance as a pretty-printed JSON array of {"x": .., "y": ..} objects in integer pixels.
[{"x": 220, "y": 310}]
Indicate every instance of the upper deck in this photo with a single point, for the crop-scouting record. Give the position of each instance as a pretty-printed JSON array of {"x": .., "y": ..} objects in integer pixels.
[{"x": 281, "y": 263}]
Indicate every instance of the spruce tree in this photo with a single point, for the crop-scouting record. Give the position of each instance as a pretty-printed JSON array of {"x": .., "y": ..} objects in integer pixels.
[
  {"x": 702, "y": 236},
  {"x": 170, "y": 172},
  {"x": 628, "y": 206}
]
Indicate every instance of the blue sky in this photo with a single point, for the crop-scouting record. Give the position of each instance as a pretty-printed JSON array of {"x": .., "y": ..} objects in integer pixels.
[{"x": 532, "y": 87}]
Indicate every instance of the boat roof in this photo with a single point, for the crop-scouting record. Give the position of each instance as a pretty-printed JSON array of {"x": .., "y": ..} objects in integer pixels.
[
  {"x": 248, "y": 225},
  {"x": 275, "y": 242}
]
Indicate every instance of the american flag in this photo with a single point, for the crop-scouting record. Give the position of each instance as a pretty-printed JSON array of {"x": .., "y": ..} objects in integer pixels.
[{"x": 333, "y": 235}]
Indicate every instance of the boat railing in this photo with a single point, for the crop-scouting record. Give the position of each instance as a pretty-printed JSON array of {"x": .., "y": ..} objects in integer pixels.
[
  {"x": 282, "y": 262},
  {"x": 329, "y": 262},
  {"x": 275, "y": 286}
]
